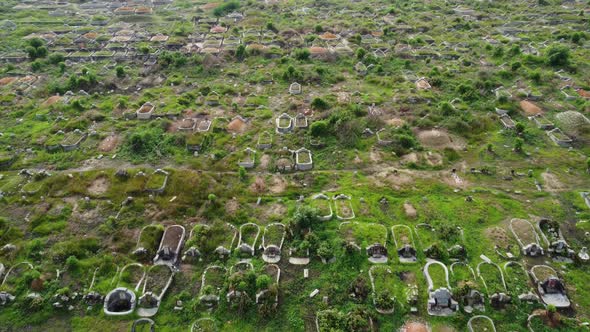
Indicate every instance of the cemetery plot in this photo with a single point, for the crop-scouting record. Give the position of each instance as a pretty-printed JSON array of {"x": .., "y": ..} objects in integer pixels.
[
  {"x": 553, "y": 239},
  {"x": 170, "y": 245},
  {"x": 372, "y": 237},
  {"x": 156, "y": 183},
  {"x": 492, "y": 278},
  {"x": 343, "y": 204},
  {"x": 272, "y": 242},
  {"x": 517, "y": 279},
  {"x": 527, "y": 237},
  {"x": 481, "y": 323},
  {"x": 403, "y": 238},
  {"x": 549, "y": 286},
  {"x": 382, "y": 284},
  {"x": 267, "y": 286},
  {"x": 332, "y": 320},
  {"x": 206, "y": 240},
  {"x": 13, "y": 282},
  {"x": 322, "y": 203},
  {"x": 248, "y": 237},
  {"x": 212, "y": 283},
  {"x": 441, "y": 240},
  {"x": 157, "y": 281},
  {"x": 440, "y": 299},
  {"x": 241, "y": 284},
  {"x": 148, "y": 241}
]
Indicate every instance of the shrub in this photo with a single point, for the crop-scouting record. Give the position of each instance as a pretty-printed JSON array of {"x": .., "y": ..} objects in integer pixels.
[
  {"x": 302, "y": 54},
  {"x": 120, "y": 71},
  {"x": 558, "y": 55},
  {"x": 319, "y": 128},
  {"x": 319, "y": 104}
]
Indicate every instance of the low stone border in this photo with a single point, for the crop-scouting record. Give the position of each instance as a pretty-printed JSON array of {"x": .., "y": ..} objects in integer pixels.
[
  {"x": 374, "y": 291},
  {"x": 248, "y": 247},
  {"x": 169, "y": 255},
  {"x": 149, "y": 312},
  {"x": 470, "y": 322},
  {"x": 528, "y": 249},
  {"x": 210, "y": 299},
  {"x": 404, "y": 248},
  {"x": 348, "y": 199}
]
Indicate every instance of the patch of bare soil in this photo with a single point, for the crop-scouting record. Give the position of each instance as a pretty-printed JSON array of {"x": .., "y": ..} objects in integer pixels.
[
  {"x": 375, "y": 156},
  {"x": 258, "y": 186},
  {"x": 277, "y": 184},
  {"x": 232, "y": 206},
  {"x": 433, "y": 158},
  {"x": 99, "y": 186},
  {"x": 275, "y": 210},
  {"x": 439, "y": 139},
  {"x": 551, "y": 182},
  {"x": 51, "y": 100},
  {"x": 530, "y": 108},
  {"x": 237, "y": 125},
  {"x": 498, "y": 235},
  {"x": 109, "y": 143},
  {"x": 444, "y": 328},
  {"x": 395, "y": 180},
  {"x": 7, "y": 80},
  {"x": 395, "y": 122},
  {"x": 264, "y": 162},
  {"x": 410, "y": 158},
  {"x": 409, "y": 210}
]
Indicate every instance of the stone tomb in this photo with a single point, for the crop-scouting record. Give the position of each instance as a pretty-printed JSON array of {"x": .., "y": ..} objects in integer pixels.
[
  {"x": 550, "y": 287},
  {"x": 403, "y": 240},
  {"x": 440, "y": 299},
  {"x": 272, "y": 242},
  {"x": 527, "y": 237},
  {"x": 169, "y": 249}
]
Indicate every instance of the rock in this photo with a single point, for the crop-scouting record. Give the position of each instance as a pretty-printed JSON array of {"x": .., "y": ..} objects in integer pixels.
[{"x": 5, "y": 298}]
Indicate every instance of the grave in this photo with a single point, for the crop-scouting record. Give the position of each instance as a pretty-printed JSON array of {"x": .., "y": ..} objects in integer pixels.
[
  {"x": 344, "y": 210},
  {"x": 272, "y": 242},
  {"x": 284, "y": 124},
  {"x": 481, "y": 323},
  {"x": 554, "y": 240},
  {"x": 559, "y": 138},
  {"x": 212, "y": 282},
  {"x": 157, "y": 281},
  {"x": 248, "y": 158},
  {"x": 295, "y": 88},
  {"x": 248, "y": 237},
  {"x": 382, "y": 280},
  {"x": 156, "y": 183},
  {"x": 303, "y": 159},
  {"x": 169, "y": 249},
  {"x": 322, "y": 203},
  {"x": 527, "y": 237},
  {"x": 146, "y": 111},
  {"x": 440, "y": 299},
  {"x": 403, "y": 240},
  {"x": 549, "y": 286}
]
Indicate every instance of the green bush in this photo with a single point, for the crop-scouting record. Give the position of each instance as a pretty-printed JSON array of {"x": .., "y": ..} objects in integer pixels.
[{"x": 319, "y": 128}]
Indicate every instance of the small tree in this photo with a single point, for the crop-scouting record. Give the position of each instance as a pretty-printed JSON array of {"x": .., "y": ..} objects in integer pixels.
[
  {"x": 241, "y": 52},
  {"x": 319, "y": 104},
  {"x": 319, "y": 128},
  {"x": 242, "y": 174},
  {"x": 558, "y": 55},
  {"x": 120, "y": 71}
]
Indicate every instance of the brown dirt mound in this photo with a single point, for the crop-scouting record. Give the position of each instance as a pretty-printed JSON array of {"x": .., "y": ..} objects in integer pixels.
[
  {"x": 237, "y": 125},
  {"x": 211, "y": 5},
  {"x": 414, "y": 327},
  {"x": 434, "y": 138},
  {"x": 529, "y": 108},
  {"x": 51, "y": 100},
  {"x": 551, "y": 182},
  {"x": 7, "y": 80},
  {"x": 410, "y": 210},
  {"x": 232, "y": 206},
  {"x": 99, "y": 186},
  {"x": 278, "y": 184},
  {"x": 109, "y": 143}
]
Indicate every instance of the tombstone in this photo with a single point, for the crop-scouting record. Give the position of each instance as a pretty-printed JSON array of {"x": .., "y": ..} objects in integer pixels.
[
  {"x": 499, "y": 300},
  {"x": 295, "y": 88}
]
